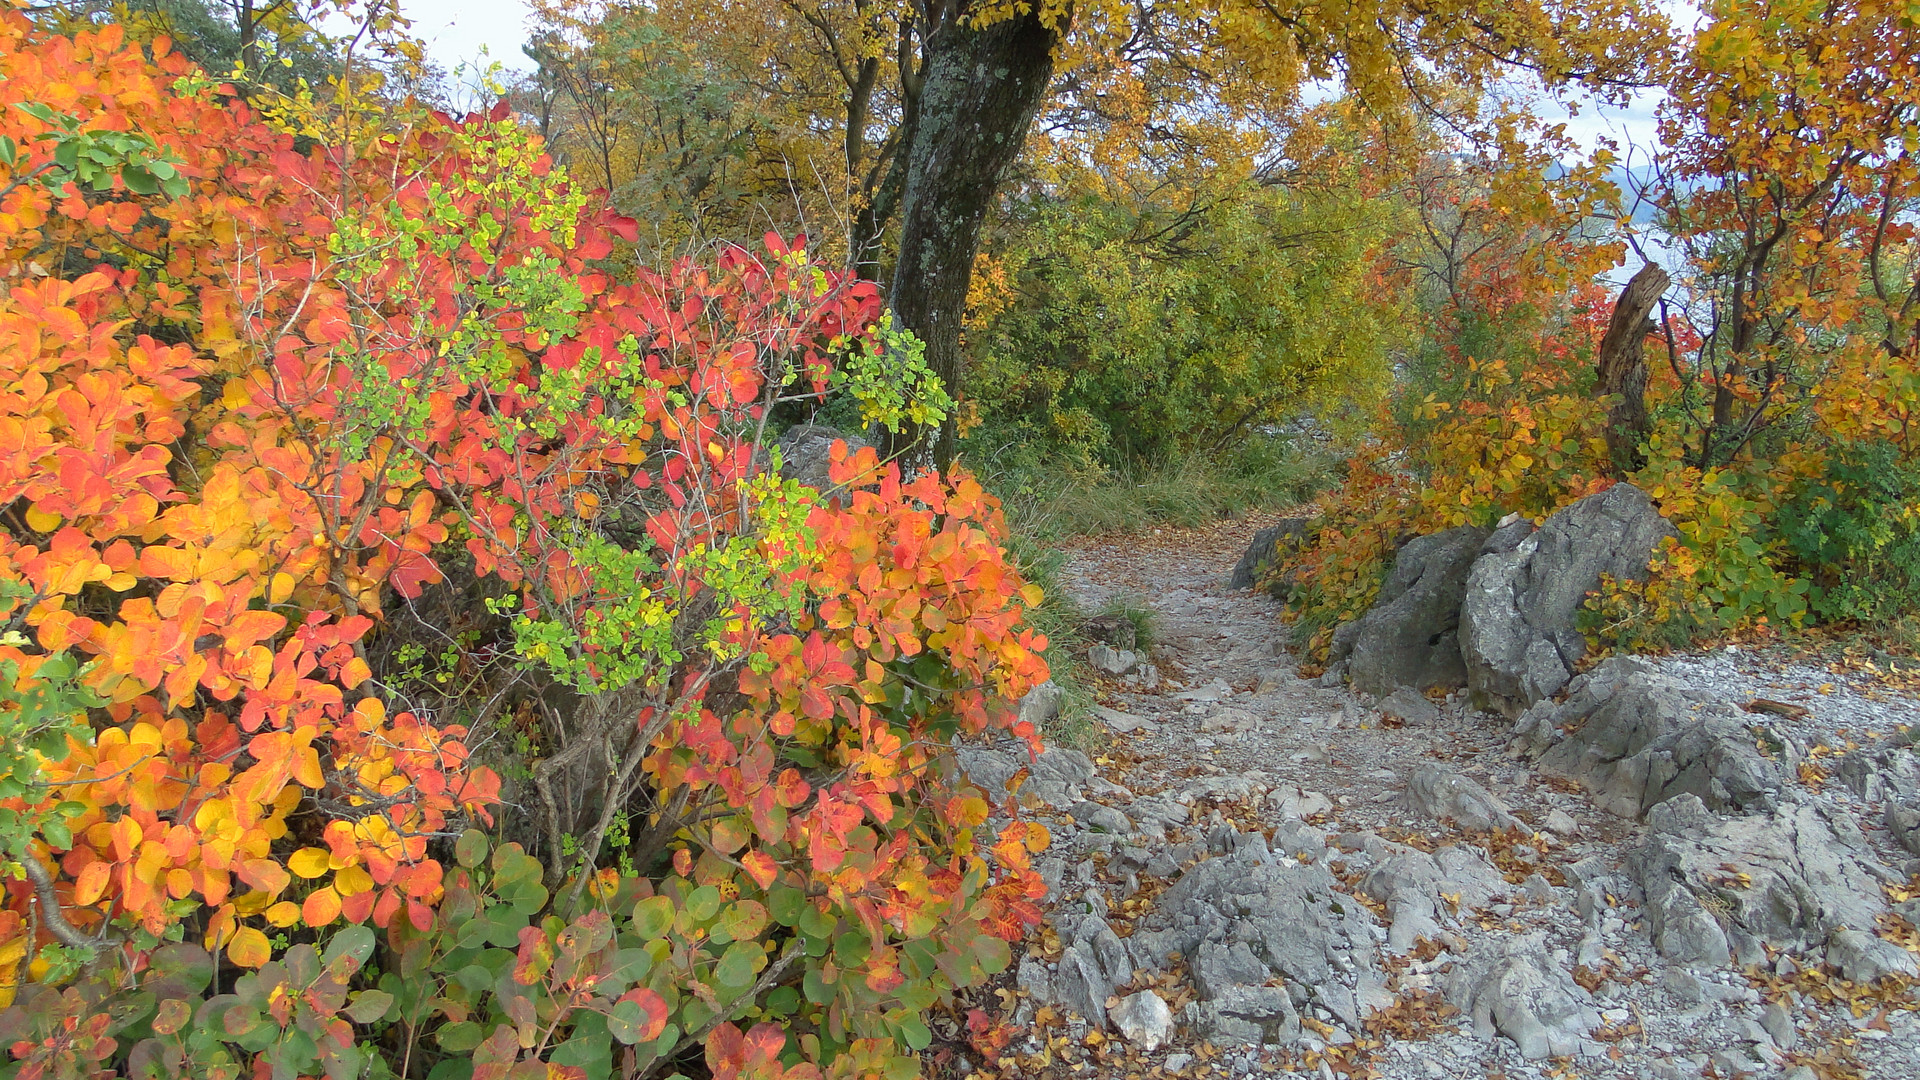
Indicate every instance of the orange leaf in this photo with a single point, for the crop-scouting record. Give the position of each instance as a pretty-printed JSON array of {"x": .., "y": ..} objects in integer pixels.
[
  {"x": 92, "y": 883},
  {"x": 250, "y": 627},
  {"x": 266, "y": 875},
  {"x": 321, "y": 908},
  {"x": 760, "y": 866}
]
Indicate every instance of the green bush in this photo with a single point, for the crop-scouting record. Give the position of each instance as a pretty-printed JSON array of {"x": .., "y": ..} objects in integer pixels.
[{"x": 1854, "y": 533}]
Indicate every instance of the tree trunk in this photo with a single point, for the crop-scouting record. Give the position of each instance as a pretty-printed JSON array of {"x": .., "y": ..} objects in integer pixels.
[
  {"x": 982, "y": 89},
  {"x": 1623, "y": 367}
]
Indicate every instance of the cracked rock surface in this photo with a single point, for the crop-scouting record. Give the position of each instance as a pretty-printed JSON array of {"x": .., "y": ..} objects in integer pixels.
[{"x": 1256, "y": 871}]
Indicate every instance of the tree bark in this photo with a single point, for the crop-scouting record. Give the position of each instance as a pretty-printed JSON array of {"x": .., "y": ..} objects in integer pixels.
[
  {"x": 982, "y": 89},
  {"x": 1623, "y": 367}
]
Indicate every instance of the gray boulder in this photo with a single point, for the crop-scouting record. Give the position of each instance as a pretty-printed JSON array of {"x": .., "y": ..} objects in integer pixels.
[
  {"x": 1409, "y": 705},
  {"x": 1247, "y": 1015},
  {"x": 1445, "y": 795},
  {"x": 1410, "y": 883},
  {"x": 1880, "y": 774},
  {"x": 1264, "y": 937},
  {"x": 1628, "y": 702},
  {"x": 1269, "y": 546},
  {"x": 1513, "y": 988},
  {"x": 1517, "y": 619},
  {"x": 1719, "y": 888},
  {"x": 805, "y": 453},
  {"x": 1112, "y": 661},
  {"x": 1864, "y": 958},
  {"x": 1638, "y": 739},
  {"x": 1090, "y": 969},
  {"x": 1714, "y": 759},
  {"x": 1410, "y": 636},
  {"x": 1042, "y": 704},
  {"x": 1903, "y": 823},
  {"x": 1057, "y": 777},
  {"x": 1144, "y": 1020}
]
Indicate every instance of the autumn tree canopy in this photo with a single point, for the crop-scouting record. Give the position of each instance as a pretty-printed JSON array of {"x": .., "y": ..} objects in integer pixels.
[{"x": 891, "y": 127}]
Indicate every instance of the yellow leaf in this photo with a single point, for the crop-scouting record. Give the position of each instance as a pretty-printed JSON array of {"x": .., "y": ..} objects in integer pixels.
[
  {"x": 40, "y": 521},
  {"x": 249, "y": 948},
  {"x": 309, "y": 862},
  {"x": 284, "y": 913},
  {"x": 352, "y": 881},
  {"x": 1038, "y": 838},
  {"x": 281, "y": 588}
]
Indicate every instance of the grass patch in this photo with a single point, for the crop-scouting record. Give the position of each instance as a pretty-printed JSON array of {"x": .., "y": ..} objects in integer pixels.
[
  {"x": 1137, "y": 614},
  {"x": 1059, "y": 616},
  {"x": 1054, "y": 502}
]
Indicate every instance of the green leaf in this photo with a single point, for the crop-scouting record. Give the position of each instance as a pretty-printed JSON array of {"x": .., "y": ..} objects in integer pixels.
[
  {"x": 851, "y": 949},
  {"x": 816, "y": 987},
  {"x": 994, "y": 954},
  {"x": 369, "y": 1006},
  {"x": 460, "y": 1037},
  {"x": 744, "y": 920},
  {"x": 630, "y": 966},
  {"x": 354, "y": 942},
  {"x": 652, "y": 917},
  {"x": 703, "y": 904},
  {"x": 57, "y": 834},
  {"x": 913, "y": 1032},
  {"x": 815, "y": 923},
  {"x": 471, "y": 849},
  {"x": 139, "y": 180},
  {"x": 738, "y": 966},
  {"x": 787, "y": 904}
]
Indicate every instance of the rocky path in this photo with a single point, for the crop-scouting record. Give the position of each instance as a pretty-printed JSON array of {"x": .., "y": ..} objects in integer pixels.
[{"x": 1257, "y": 874}]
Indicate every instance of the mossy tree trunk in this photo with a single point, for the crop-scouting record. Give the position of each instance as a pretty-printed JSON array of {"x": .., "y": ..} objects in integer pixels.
[{"x": 982, "y": 88}]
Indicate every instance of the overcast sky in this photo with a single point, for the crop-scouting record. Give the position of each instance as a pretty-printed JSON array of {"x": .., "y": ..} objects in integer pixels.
[{"x": 456, "y": 31}]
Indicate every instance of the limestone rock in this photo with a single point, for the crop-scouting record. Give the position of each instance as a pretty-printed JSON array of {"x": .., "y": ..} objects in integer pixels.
[
  {"x": 1411, "y": 884},
  {"x": 1100, "y": 818},
  {"x": 1144, "y": 1020},
  {"x": 1517, "y": 620},
  {"x": 1115, "y": 630},
  {"x": 1410, "y": 637},
  {"x": 1445, "y": 795},
  {"x": 1112, "y": 661},
  {"x": 1217, "y": 967},
  {"x": 1251, "y": 920},
  {"x": 1058, "y": 776},
  {"x": 1513, "y": 988},
  {"x": 1248, "y": 1015},
  {"x": 1122, "y": 722},
  {"x": 1622, "y": 699},
  {"x": 1638, "y": 739},
  {"x": 1269, "y": 546},
  {"x": 1293, "y": 801},
  {"x": 1723, "y": 887},
  {"x": 1409, "y": 705},
  {"x": 1878, "y": 775},
  {"x": 1903, "y": 823},
  {"x": 1090, "y": 969},
  {"x": 1864, "y": 958},
  {"x": 1042, "y": 704}
]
